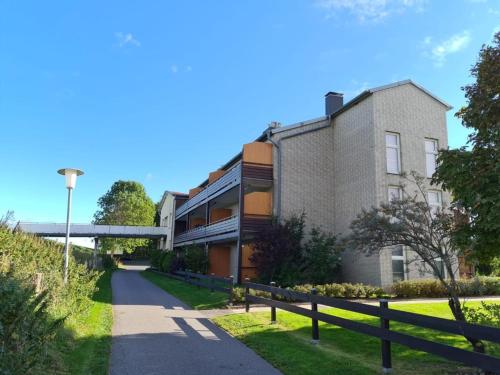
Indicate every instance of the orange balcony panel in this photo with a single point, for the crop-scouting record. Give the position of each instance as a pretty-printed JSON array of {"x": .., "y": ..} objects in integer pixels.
[
  {"x": 246, "y": 252},
  {"x": 258, "y": 153},
  {"x": 219, "y": 260},
  {"x": 214, "y": 176},
  {"x": 258, "y": 203},
  {"x": 196, "y": 222},
  {"x": 193, "y": 192},
  {"x": 217, "y": 214},
  {"x": 248, "y": 273}
]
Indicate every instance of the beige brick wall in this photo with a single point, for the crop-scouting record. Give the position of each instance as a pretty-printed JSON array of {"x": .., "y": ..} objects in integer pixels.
[
  {"x": 414, "y": 115},
  {"x": 333, "y": 173}
]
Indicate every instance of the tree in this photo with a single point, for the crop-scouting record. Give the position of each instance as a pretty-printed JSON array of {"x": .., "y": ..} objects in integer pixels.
[
  {"x": 126, "y": 203},
  {"x": 321, "y": 262},
  {"x": 473, "y": 175},
  {"x": 278, "y": 252},
  {"x": 412, "y": 222}
]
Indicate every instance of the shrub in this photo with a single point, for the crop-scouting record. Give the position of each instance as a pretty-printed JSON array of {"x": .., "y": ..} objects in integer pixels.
[
  {"x": 486, "y": 314},
  {"x": 196, "y": 259},
  {"x": 22, "y": 257},
  {"x": 166, "y": 261},
  {"x": 25, "y": 327},
  {"x": 431, "y": 288}
]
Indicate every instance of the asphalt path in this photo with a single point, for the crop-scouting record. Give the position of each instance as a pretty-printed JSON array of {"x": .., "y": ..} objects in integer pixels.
[{"x": 155, "y": 333}]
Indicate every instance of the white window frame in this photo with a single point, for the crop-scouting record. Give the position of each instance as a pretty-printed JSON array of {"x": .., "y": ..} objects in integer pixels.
[
  {"x": 398, "y": 189},
  {"x": 433, "y": 153},
  {"x": 396, "y": 147},
  {"x": 435, "y": 206},
  {"x": 399, "y": 257}
]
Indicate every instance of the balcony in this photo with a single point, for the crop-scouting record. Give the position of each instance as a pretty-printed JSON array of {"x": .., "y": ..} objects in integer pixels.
[
  {"x": 229, "y": 180},
  {"x": 219, "y": 230}
]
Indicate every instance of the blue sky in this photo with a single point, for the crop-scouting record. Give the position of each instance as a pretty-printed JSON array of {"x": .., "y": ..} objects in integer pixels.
[{"x": 164, "y": 92}]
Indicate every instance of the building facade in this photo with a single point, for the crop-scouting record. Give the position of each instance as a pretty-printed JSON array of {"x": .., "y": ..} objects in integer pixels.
[{"x": 329, "y": 168}]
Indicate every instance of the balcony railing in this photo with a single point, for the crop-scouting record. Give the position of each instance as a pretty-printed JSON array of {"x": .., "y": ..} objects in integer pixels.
[
  {"x": 230, "y": 179},
  {"x": 221, "y": 229}
]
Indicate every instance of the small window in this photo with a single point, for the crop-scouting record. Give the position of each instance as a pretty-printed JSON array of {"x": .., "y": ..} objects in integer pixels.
[
  {"x": 398, "y": 264},
  {"x": 434, "y": 199},
  {"x": 392, "y": 149},
  {"x": 431, "y": 152},
  {"x": 394, "y": 192}
]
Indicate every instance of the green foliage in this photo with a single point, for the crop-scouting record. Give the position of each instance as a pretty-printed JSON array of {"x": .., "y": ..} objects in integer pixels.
[
  {"x": 109, "y": 262},
  {"x": 282, "y": 255},
  {"x": 479, "y": 286},
  {"x": 473, "y": 174},
  {"x": 321, "y": 260},
  {"x": 126, "y": 203},
  {"x": 26, "y": 328},
  {"x": 195, "y": 259},
  {"x": 486, "y": 314},
  {"x": 23, "y": 258},
  {"x": 344, "y": 290},
  {"x": 278, "y": 250}
]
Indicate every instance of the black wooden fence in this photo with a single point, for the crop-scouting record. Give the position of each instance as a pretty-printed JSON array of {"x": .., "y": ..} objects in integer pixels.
[
  {"x": 212, "y": 282},
  {"x": 469, "y": 358}
]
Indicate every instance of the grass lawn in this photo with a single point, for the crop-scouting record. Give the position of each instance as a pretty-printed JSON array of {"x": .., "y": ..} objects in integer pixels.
[
  {"x": 287, "y": 344},
  {"x": 197, "y": 298},
  {"x": 91, "y": 333}
]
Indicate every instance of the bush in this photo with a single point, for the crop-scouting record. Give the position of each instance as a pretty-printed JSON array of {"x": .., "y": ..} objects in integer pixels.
[
  {"x": 166, "y": 261},
  {"x": 109, "y": 262},
  {"x": 196, "y": 259},
  {"x": 486, "y": 314},
  {"x": 22, "y": 257},
  {"x": 431, "y": 288},
  {"x": 25, "y": 327},
  {"x": 344, "y": 290}
]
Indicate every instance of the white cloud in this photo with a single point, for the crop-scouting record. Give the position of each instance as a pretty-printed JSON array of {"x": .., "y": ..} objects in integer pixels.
[
  {"x": 370, "y": 10},
  {"x": 174, "y": 68},
  {"x": 149, "y": 176},
  {"x": 126, "y": 38},
  {"x": 439, "y": 52}
]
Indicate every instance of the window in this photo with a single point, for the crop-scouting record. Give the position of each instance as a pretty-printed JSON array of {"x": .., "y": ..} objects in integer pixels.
[
  {"x": 398, "y": 264},
  {"x": 434, "y": 199},
  {"x": 392, "y": 151},
  {"x": 431, "y": 151},
  {"x": 394, "y": 192}
]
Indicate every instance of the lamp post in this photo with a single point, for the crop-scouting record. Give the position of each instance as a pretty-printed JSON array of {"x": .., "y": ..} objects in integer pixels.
[{"x": 70, "y": 174}]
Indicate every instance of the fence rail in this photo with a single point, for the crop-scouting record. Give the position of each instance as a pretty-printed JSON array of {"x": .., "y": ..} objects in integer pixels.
[
  {"x": 212, "y": 282},
  {"x": 479, "y": 360}
]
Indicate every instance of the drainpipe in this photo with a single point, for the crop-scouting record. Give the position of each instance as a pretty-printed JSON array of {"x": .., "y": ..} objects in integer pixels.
[
  {"x": 280, "y": 157},
  {"x": 278, "y": 180}
]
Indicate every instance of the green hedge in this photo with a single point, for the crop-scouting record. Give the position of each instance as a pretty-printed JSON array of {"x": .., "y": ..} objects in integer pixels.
[
  {"x": 343, "y": 290},
  {"x": 22, "y": 257},
  {"x": 430, "y": 288}
]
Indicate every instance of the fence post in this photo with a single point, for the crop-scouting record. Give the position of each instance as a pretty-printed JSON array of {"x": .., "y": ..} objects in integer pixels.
[
  {"x": 273, "y": 309},
  {"x": 385, "y": 344},
  {"x": 231, "y": 280},
  {"x": 212, "y": 282},
  {"x": 247, "y": 292},
  {"x": 315, "y": 326}
]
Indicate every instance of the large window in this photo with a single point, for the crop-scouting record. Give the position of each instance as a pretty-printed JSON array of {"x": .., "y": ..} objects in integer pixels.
[
  {"x": 434, "y": 199},
  {"x": 398, "y": 264},
  {"x": 393, "y": 153},
  {"x": 431, "y": 151}
]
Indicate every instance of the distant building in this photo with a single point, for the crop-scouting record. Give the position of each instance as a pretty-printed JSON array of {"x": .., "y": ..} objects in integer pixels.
[{"x": 330, "y": 168}]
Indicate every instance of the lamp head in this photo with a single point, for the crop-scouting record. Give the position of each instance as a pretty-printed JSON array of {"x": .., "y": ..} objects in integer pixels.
[{"x": 70, "y": 174}]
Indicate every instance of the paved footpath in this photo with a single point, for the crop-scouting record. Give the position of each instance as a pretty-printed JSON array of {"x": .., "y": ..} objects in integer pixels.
[{"x": 155, "y": 333}]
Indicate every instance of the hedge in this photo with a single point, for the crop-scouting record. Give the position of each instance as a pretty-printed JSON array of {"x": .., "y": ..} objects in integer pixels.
[
  {"x": 343, "y": 290},
  {"x": 431, "y": 288}
]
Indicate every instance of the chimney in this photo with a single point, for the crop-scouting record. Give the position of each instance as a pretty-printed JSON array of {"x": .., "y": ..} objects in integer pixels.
[{"x": 333, "y": 102}]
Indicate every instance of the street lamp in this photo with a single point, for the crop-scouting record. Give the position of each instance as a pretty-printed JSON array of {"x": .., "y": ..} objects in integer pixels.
[{"x": 70, "y": 174}]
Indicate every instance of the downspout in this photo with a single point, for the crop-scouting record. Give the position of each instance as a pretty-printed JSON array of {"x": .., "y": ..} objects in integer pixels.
[
  {"x": 280, "y": 157},
  {"x": 278, "y": 179}
]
